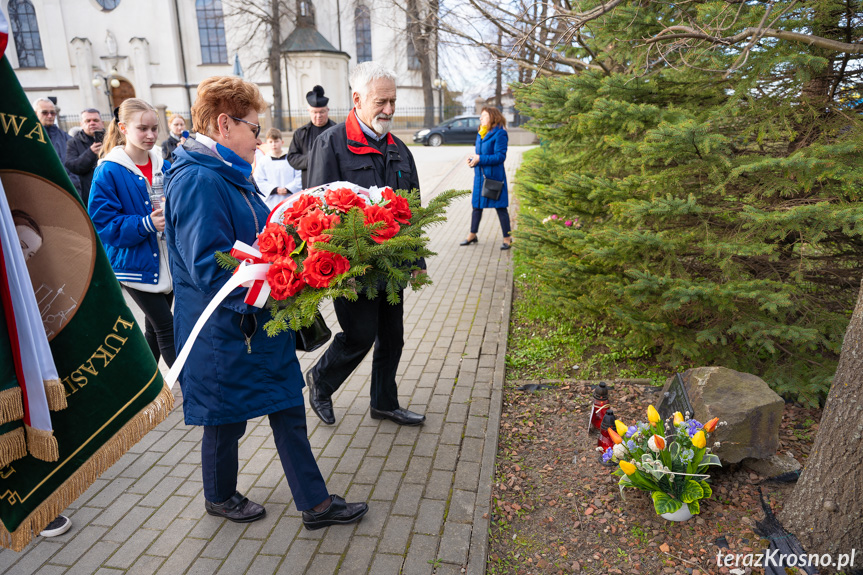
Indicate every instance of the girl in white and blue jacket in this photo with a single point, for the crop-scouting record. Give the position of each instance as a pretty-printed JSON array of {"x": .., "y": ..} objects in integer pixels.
[{"x": 125, "y": 206}]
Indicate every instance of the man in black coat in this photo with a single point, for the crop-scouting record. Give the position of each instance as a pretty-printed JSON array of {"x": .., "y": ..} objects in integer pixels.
[
  {"x": 47, "y": 113},
  {"x": 304, "y": 137},
  {"x": 363, "y": 152},
  {"x": 82, "y": 151}
]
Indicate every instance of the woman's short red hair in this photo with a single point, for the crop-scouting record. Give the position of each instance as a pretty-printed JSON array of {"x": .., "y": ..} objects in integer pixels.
[
  {"x": 495, "y": 117},
  {"x": 224, "y": 95}
]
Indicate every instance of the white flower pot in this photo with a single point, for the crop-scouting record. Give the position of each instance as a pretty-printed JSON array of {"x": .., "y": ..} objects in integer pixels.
[{"x": 681, "y": 514}]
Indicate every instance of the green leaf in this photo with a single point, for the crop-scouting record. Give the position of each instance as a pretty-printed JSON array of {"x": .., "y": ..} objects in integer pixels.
[
  {"x": 664, "y": 503},
  {"x": 694, "y": 507},
  {"x": 710, "y": 459},
  {"x": 706, "y": 488},
  {"x": 692, "y": 491}
]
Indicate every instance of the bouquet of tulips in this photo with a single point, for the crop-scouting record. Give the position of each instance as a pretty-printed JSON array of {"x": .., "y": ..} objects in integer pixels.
[
  {"x": 669, "y": 461},
  {"x": 337, "y": 240}
]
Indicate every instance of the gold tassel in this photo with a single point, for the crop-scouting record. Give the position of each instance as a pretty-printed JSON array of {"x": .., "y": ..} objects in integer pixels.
[
  {"x": 132, "y": 432},
  {"x": 13, "y": 445},
  {"x": 42, "y": 444},
  {"x": 11, "y": 405},
  {"x": 56, "y": 394}
]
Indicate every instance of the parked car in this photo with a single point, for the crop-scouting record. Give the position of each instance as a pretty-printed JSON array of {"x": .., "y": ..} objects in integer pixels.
[{"x": 459, "y": 130}]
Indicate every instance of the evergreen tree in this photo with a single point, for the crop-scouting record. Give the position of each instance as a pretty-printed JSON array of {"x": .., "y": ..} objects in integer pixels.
[{"x": 716, "y": 183}]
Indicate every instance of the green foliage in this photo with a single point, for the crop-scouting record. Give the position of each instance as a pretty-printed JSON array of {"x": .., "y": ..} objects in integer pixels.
[
  {"x": 716, "y": 219},
  {"x": 664, "y": 503}
]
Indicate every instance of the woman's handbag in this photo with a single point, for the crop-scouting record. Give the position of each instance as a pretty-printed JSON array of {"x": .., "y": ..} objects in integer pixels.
[
  {"x": 312, "y": 337},
  {"x": 491, "y": 189}
]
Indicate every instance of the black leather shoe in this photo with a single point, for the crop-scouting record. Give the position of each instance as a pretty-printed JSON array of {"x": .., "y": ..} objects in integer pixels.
[
  {"x": 237, "y": 509},
  {"x": 505, "y": 246},
  {"x": 321, "y": 404},
  {"x": 338, "y": 513},
  {"x": 469, "y": 242},
  {"x": 400, "y": 416}
]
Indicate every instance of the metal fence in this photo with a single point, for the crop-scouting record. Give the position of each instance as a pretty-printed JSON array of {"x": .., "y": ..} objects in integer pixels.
[{"x": 406, "y": 118}]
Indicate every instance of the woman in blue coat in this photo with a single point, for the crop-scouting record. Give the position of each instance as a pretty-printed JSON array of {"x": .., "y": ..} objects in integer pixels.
[
  {"x": 234, "y": 371},
  {"x": 491, "y": 143}
]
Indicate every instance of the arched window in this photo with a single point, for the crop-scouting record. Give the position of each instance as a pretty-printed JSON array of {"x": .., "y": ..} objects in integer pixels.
[
  {"x": 25, "y": 31},
  {"x": 211, "y": 29},
  {"x": 413, "y": 59},
  {"x": 108, "y": 5},
  {"x": 363, "y": 25}
]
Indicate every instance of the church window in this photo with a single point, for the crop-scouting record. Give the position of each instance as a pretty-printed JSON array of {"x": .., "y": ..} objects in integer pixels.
[
  {"x": 108, "y": 5},
  {"x": 211, "y": 28},
  {"x": 363, "y": 25},
  {"x": 25, "y": 31},
  {"x": 413, "y": 60}
]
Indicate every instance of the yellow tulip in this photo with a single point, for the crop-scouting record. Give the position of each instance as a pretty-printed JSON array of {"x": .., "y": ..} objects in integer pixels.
[
  {"x": 614, "y": 436},
  {"x": 621, "y": 427},
  {"x": 698, "y": 440},
  {"x": 678, "y": 418},
  {"x": 710, "y": 426},
  {"x": 652, "y": 415},
  {"x": 627, "y": 467}
]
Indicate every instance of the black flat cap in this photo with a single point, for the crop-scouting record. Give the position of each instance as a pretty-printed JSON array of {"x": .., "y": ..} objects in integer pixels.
[{"x": 316, "y": 98}]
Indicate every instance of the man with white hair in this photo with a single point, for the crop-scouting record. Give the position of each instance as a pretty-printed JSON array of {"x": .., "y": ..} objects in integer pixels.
[
  {"x": 47, "y": 114},
  {"x": 362, "y": 151}
]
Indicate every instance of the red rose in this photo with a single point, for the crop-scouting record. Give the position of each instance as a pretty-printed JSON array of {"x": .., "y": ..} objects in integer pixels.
[
  {"x": 381, "y": 214},
  {"x": 321, "y": 267},
  {"x": 300, "y": 207},
  {"x": 275, "y": 242},
  {"x": 399, "y": 207},
  {"x": 283, "y": 279},
  {"x": 313, "y": 225},
  {"x": 343, "y": 199}
]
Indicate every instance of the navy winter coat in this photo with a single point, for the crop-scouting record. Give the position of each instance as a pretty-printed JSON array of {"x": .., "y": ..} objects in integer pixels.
[
  {"x": 227, "y": 378},
  {"x": 492, "y": 153}
]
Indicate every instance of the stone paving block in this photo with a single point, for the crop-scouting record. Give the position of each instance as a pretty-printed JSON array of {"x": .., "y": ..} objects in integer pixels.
[
  {"x": 262, "y": 528},
  {"x": 172, "y": 536},
  {"x": 421, "y": 555},
  {"x": 195, "y": 508},
  {"x": 369, "y": 470},
  {"x": 203, "y": 566},
  {"x": 418, "y": 470},
  {"x": 140, "y": 466},
  {"x": 360, "y": 492},
  {"x": 408, "y": 434},
  {"x": 271, "y": 475},
  {"x": 398, "y": 458},
  {"x": 479, "y": 406},
  {"x": 430, "y": 517},
  {"x": 451, "y": 433},
  {"x": 449, "y": 569},
  {"x": 348, "y": 424},
  {"x": 327, "y": 465},
  {"x": 320, "y": 436},
  {"x": 471, "y": 449},
  {"x": 223, "y": 541},
  {"x": 132, "y": 521},
  {"x": 454, "y": 543},
  {"x": 167, "y": 512},
  {"x": 145, "y": 565},
  {"x": 51, "y": 570},
  {"x": 108, "y": 493},
  {"x": 79, "y": 545},
  {"x": 359, "y": 556},
  {"x": 457, "y": 413},
  {"x": 395, "y": 536},
  {"x": 114, "y": 471},
  {"x": 461, "y": 506},
  {"x": 29, "y": 560},
  {"x": 476, "y": 426},
  {"x": 427, "y": 380},
  {"x": 446, "y": 457},
  {"x": 363, "y": 438},
  {"x": 281, "y": 494},
  {"x": 426, "y": 444},
  {"x": 145, "y": 442},
  {"x": 240, "y": 558},
  {"x": 322, "y": 564},
  {"x": 167, "y": 441},
  {"x": 162, "y": 492},
  {"x": 461, "y": 394},
  {"x": 336, "y": 539},
  {"x": 339, "y": 482},
  {"x": 407, "y": 500},
  {"x": 207, "y": 527},
  {"x": 381, "y": 445},
  {"x": 82, "y": 516},
  {"x": 373, "y": 522},
  {"x": 264, "y": 565},
  {"x": 336, "y": 446},
  {"x": 151, "y": 478},
  {"x": 467, "y": 475},
  {"x": 249, "y": 444},
  {"x": 131, "y": 549},
  {"x": 420, "y": 398},
  {"x": 259, "y": 461},
  {"x": 281, "y": 537},
  {"x": 433, "y": 365},
  {"x": 387, "y": 564},
  {"x": 439, "y": 484}
]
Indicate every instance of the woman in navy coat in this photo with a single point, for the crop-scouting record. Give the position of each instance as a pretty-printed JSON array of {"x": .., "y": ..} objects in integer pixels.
[
  {"x": 234, "y": 371},
  {"x": 491, "y": 143}
]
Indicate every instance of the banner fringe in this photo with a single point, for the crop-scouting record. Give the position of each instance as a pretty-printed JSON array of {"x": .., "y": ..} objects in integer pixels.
[
  {"x": 13, "y": 445},
  {"x": 56, "y": 394},
  {"x": 11, "y": 405},
  {"x": 42, "y": 444},
  {"x": 132, "y": 432}
]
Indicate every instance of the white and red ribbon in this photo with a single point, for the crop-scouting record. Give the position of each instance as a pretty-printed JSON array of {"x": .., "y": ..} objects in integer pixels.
[{"x": 259, "y": 290}]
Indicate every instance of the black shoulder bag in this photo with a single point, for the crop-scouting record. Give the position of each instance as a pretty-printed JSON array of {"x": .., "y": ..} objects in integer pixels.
[{"x": 491, "y": 189}]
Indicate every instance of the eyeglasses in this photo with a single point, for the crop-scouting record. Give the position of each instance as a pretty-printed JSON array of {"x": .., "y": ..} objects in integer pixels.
[
  {"x": 257, "y": 127},
  {"x": 48, "y": 112}
]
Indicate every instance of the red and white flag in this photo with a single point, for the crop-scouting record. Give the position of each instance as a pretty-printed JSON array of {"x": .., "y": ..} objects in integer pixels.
[{"x": 4, "y": 33}]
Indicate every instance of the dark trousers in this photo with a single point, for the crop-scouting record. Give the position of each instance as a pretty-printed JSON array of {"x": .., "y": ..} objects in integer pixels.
[
  {"x": 158, "y": 322},
  {"x": 220, "y": 464},
  {"x": 502, "y": 215},
  {"x": 365, "y": 323}
]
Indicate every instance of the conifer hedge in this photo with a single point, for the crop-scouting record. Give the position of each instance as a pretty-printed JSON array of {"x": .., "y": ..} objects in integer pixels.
[{"x": 716, "y": 220}]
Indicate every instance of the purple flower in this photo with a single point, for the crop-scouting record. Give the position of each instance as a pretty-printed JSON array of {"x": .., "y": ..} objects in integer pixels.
[
  {"x": 606, "y": 457},
  {"x": 631, "y": 431},
  {"x": 692, "y": 427}
]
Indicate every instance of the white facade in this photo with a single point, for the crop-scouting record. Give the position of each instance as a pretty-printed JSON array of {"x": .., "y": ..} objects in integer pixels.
[{"x": 153, "y": 48}]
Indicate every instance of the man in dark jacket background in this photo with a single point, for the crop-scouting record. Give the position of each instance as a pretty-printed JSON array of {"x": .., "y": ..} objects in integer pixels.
[
  {"x": 363, "y": 152},
  {"x": 82, "y": 151},
  {"x": 304, "y": 137},
  {"x": 47, "y": 113}
]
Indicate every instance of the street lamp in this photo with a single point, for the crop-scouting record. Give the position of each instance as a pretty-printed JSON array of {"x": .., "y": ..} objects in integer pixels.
[
  {"x": 441, "y": 86},
  {"x": 106, "y": 83}
]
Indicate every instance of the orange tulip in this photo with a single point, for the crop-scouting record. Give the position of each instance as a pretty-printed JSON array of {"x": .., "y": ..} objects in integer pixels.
[
  {"x": 698, "y": 440},
  {"x": 659, "y": 441},
  {"x": 652, "y": 415},
  {"x": 627, "y": 467},
  {"x": 621, "y": 427},
  {"x": 614, "y": 436},
  {"x": 710, "y": 426}
]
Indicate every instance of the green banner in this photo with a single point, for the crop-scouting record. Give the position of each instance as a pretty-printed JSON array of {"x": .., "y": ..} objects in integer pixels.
[{"x": 114, "y": 391}]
